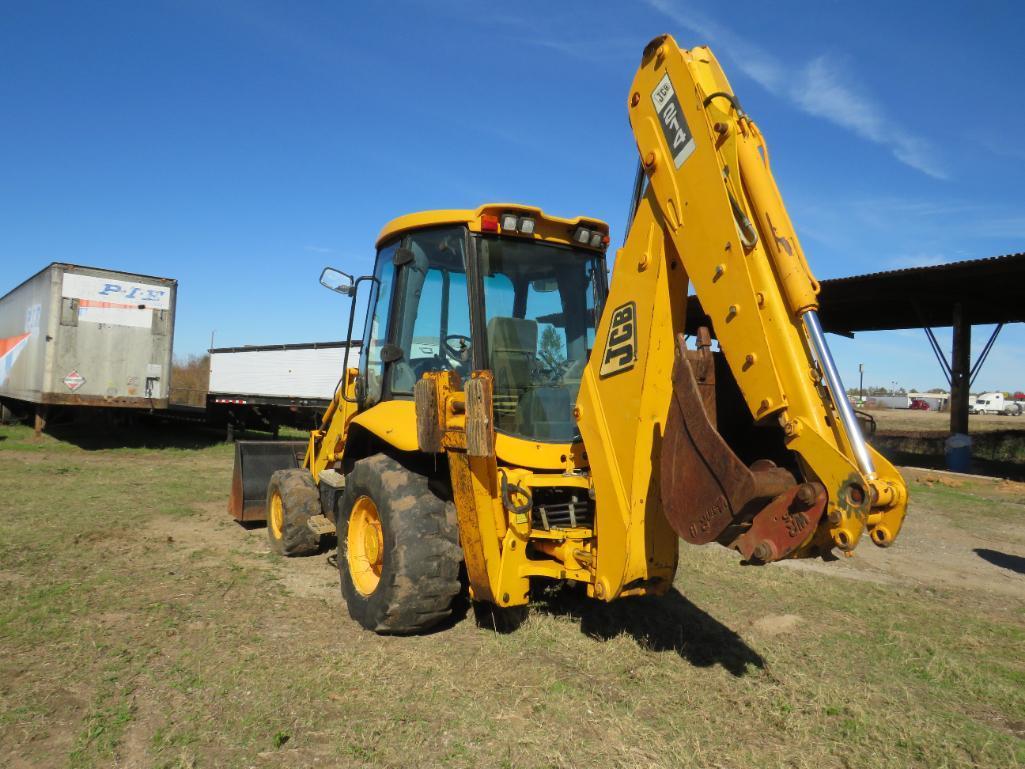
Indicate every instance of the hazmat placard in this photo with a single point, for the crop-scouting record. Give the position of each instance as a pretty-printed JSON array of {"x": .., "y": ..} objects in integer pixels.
[{"x": 73, "y": 381}]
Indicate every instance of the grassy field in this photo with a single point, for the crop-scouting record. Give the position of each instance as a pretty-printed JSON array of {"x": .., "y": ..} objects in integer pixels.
[
  {"x": 939, "y": 421},
  {"x": 141, "y": 627}
]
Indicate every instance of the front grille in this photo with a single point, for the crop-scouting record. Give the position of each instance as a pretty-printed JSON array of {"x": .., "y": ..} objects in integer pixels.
[{"x": 559, "y": 507}]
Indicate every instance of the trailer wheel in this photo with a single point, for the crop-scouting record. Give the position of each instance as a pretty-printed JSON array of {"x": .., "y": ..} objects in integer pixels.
[
  {"x": 292, "y": 499},
  {"x": 398, "y": 552}
]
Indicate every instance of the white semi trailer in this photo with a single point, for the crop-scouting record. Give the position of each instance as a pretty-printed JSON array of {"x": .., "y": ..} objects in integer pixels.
[{"x": 83, "y": 336}]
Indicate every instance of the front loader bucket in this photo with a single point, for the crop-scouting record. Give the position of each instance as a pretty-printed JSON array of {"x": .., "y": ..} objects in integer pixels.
[
  {"x": 255, "y": 463},
  {"x": 709, "y": 494}
]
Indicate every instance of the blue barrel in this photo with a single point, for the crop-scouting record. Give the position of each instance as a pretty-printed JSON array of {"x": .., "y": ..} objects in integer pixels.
[{"x": 959, "y": 453}]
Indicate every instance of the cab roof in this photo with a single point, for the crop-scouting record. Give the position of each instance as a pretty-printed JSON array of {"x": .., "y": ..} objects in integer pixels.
[{"x": 554, "y": 228}]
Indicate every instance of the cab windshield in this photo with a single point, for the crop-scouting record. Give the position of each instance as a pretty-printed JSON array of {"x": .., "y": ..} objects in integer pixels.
[{"x": 541, "y": 305}]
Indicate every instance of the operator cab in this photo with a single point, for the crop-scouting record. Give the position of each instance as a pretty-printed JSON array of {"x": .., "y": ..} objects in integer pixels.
[{"x": 504, "y": 288}]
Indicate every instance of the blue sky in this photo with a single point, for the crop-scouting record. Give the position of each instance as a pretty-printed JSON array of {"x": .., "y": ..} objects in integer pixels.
[{"x": 240, "y": 146}]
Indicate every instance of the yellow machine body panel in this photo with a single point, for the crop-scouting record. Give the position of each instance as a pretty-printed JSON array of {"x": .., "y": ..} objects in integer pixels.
[
  {"x": 394, "y": 422},
  {"x": 623, "y": 402}
]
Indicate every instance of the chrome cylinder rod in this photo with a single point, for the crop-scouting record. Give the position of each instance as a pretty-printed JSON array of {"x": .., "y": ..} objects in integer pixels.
[{"x": 839, "y": 394}]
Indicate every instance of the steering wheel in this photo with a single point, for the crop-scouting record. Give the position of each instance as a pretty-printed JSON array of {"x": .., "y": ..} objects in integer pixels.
[{"x": 460, "y": 353}]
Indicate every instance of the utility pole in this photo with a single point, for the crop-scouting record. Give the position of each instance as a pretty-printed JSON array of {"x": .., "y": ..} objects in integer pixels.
[
  {"x": 960, "y": 364},
  {"x": 861, "y": 381}
]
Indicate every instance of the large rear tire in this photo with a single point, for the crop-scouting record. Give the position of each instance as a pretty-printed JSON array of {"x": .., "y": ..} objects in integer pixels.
[
  {"x": 398, "y": 551},
  {"x": 292, "y": 499}
]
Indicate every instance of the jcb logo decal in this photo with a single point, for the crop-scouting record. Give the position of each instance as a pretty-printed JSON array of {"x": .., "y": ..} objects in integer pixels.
[
  {"x": 621, "y": 346},
  {"x": 674, "y": 126}
]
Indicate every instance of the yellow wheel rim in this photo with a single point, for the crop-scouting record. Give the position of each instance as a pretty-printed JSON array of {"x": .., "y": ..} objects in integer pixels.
[
  {"x": 277, "y": 515},
  {"x": 365, "y": 546}
]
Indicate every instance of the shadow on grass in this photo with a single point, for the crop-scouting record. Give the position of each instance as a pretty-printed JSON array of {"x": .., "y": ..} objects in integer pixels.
[
  {"x": 99, "y": 431},
  {"x": 669, "y": 623},
  {"x": 1011, "y": 470},
  {"x": 137, "y": 433},
  {"x": 1007, "y": 561}
]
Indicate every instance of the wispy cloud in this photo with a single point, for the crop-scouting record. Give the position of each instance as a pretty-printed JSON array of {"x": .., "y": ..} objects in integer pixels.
[
  {"x": 1000, "y": 147},
  {"x": 903, "y": 261},
  {"x": 821, "y": 87},
  {"x": 1012, "y": 226},
  {"x": 591, "y": 51},
  {"x": 587, "y": 47},
  {"x": 890, "y": 231},
  {"x": 971, "y": 218}
]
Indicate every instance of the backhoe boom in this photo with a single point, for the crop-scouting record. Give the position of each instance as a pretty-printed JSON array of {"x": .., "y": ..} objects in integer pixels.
[{"x": 787, "y": 472}]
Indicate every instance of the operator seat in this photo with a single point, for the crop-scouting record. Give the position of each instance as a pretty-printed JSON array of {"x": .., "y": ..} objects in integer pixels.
[{"x": 512, "y": 347}]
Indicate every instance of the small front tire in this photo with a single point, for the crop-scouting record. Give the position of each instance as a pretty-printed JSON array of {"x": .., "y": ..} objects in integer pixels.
[{"x": 292, "y": 499}]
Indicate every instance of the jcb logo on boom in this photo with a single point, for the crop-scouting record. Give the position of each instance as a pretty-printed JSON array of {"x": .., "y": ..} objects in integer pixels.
[
  {"x": 674, "y": 126},
  {"x": 621, "y": 345}
]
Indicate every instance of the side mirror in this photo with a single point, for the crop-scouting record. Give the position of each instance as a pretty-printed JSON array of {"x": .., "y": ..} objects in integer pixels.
[{"x": 338, "y": 281}]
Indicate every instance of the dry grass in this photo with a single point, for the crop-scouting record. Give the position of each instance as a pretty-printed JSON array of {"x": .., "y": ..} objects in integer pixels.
[
  {"x": 936, "y": 421},
  {"x": 140, "y": 627}
]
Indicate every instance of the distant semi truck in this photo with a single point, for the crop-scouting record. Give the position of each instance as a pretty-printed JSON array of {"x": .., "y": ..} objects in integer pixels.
[
  {"x": 995, "y": 403},
  {"x": 82, "y": 336}
]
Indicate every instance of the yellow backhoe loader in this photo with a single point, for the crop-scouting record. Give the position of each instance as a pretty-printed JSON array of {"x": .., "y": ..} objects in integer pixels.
[{"x": 515, "y": 415}]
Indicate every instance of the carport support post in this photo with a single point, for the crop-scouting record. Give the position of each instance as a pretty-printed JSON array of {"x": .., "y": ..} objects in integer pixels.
[{"x": 960, "y": 365}]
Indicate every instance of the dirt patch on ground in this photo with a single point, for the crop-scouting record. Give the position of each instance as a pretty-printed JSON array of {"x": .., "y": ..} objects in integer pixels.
[
  {"x": 211, "y": 531},
  {"x": 939, "y": 547},
  {"x": 776, "y": 624},
  {"x": 932, "y": 550}
]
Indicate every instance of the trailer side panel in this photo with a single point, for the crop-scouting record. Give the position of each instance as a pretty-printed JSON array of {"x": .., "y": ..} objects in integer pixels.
[
  {"x": 24, "y": 327},
  {"x": 288, "y": 371}
]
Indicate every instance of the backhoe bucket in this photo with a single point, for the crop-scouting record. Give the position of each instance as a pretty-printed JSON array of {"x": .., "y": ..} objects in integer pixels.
[
  {"x": 709, "y": 494},
  {"x": 255, "y": 463}
]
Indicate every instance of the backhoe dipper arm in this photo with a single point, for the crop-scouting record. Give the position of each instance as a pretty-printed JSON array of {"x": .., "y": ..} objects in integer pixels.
[{"x": 712, "y": 217}]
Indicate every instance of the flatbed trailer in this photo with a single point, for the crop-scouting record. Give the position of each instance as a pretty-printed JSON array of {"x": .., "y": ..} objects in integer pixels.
[{"x": 269, "y": 386}]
